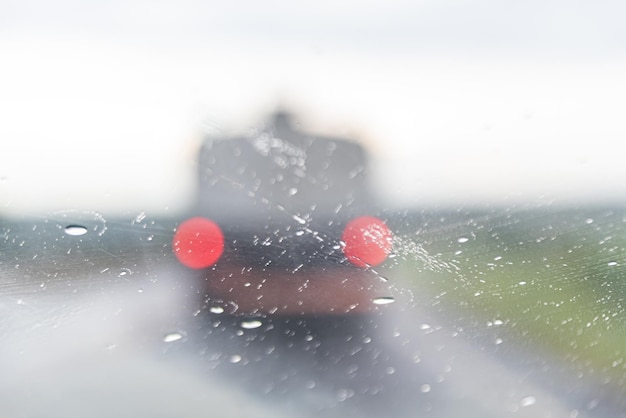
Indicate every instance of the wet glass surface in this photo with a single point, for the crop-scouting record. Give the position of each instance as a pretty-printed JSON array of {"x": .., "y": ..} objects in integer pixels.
[
  {"x": 492, "y": 313},
  {"x": 438, "y": 253}
]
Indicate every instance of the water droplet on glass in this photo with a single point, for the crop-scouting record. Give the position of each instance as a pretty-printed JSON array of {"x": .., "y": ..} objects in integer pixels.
[
  {"x": 140, "y": 217},
  {"x": 75, "y": 230},
  {"x": 235, "y": 358},
  {"x": 79, "y": 223},
  {"x": 216, "y": 309},
  {"x": 384, "y": 300},
  {"x": 172, "y": 336},
  {"x": 251, "y": 324},
  {"x": 125, "y": 272},
  {"x": 425, "y": 388},
  {"x": 344, "y": 394},
  {"x": 528, "y": 401}
]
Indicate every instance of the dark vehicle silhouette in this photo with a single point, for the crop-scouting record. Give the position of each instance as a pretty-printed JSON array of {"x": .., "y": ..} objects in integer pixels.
[{"x": 289, "y": 223}]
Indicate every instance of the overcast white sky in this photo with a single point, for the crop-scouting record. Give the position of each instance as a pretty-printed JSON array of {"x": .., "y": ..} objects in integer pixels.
[{"x": 461, "y": 103}]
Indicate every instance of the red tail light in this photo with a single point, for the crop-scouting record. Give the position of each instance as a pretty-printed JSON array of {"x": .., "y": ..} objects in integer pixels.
[
  {"x": 367, "y": 241},
  {"x": 198, "y": 243}
]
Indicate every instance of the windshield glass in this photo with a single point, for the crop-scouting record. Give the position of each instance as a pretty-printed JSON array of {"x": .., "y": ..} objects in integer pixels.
[{"x": 317, "y": 209}]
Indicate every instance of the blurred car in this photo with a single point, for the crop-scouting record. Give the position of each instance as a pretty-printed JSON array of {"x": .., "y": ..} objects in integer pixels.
[{"x": 283, "y": 224}]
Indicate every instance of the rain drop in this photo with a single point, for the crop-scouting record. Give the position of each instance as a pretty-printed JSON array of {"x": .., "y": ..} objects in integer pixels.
[
  {"x": 124, "y": 272},
  {"x": 75, "y": 230},
  {"x": 140, "y": 217},
  {"x": 462, "y": 240},
  {"x": 384, "y": 300},
  {"x": 528, "y": 401},
  {"x": 235, "y": 358},
  {"x": 172, "y": 336},
  {"x": 216, "y": 309},
  {"x": 251, "y": 324},
  {"x": 344, "y": 394}
]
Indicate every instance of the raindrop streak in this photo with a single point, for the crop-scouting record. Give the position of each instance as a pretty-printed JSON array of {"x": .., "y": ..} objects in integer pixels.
[
  {"x": 140, "y": 217},
  {"x": 173, "y": 336},
  {"x": 216, "y": 309},
  {"x": 407, "y": 247},
  {"x": 528, "y": 401},
  {"x": 236, "y": 358},
  {"x": 384, "y": 300},
  {"x": 75, "y": 230},
  {"x": 252, "y": 324}
]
